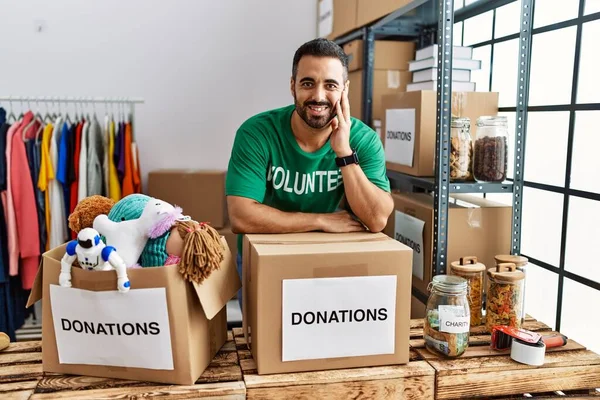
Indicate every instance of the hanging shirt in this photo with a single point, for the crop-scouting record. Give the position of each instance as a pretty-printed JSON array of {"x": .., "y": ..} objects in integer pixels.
[
  {"x": 63, "y": 161},
  {"x": 45, "y": 176},
  {"x": 137, "y": 176},
  {"x": 25, "y": 207},
  {"x": 9, "y": 209},
  {"x": 32, "y": 146},
  {"x": 82, "y": 185},
  {"x": 128, "y": 175},
  {"x": 3, "y": 234},
  {"x": 75, "y": 183},
  {"x": 114, "y": 188},
  {"x": 95, "y": 155},
  {"x": 105, "y": 160},
  {"x": 58, "y": 231},
  {"x": 121, "y": 164}
]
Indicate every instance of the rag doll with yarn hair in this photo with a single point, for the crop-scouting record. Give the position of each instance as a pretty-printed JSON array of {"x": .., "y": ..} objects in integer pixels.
[{"x": 196, "y": 248}]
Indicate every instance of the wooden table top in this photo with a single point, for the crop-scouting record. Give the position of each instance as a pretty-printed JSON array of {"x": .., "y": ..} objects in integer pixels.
[{"x": 571, "y": 371}]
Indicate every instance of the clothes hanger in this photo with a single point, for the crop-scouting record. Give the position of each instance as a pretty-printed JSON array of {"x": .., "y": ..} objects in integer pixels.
[
  {"x": 30, "y": 124},
  {"x": 12, "y": 113}
]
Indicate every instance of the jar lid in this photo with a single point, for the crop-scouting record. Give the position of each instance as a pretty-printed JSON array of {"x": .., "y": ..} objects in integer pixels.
[
  {"x": 467, "y": 264},
  {"x": 519, "y": 261},
  {"x": 492, "y": 120},
  {"x": 506, "y": 272},
  {"x": 460, "y": 122},
  {"x": 449, "y": 283}
]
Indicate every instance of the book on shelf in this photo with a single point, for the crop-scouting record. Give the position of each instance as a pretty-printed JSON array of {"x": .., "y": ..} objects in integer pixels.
[
  {"x": 432, "y": 51},
  {"x": 432, "y": 85},
  {"x": 457, "y": 63},
  {"x": 430, "y": 74}
]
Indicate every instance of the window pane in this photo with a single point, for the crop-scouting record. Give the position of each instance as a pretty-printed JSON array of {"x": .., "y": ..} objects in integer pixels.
[
  {"x": 479, "y": 28},
  {"x": 467, "y": 2},
  {"x": 545, "y": 155},
  {"x": 583, "y": 233},
  {"x": 549, "y": 12},
  {"x": 591, "y": 6},
  {"x": 588, "y": 90},
  {"x": 481, "y": 77},
  {"x": 578, "y": 310},
  {"x": 458, "y": 4},
  {"x": 510, "y": 120},
  {"x": 541, "y": 293},
  {"x": 552, "y": 74},
  {"x": 457, "y": 34},
  {"x": 508, "y": 19},
  {"x": 542, "y": 225},
  {"x": 505, "y": 72},
  {"x": 586, "y": 142}
]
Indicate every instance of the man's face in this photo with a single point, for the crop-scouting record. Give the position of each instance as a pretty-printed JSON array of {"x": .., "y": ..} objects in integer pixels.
[{"x": 318, "y": 86}]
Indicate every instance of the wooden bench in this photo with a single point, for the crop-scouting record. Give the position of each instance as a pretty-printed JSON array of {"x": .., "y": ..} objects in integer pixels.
[{"x": 21, "y": 377}]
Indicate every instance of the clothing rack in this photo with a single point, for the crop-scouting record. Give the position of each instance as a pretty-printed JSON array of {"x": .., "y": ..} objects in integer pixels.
[{"x": 77, "y": 100}]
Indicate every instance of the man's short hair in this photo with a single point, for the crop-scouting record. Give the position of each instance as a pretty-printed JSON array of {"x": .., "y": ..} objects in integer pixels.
[{"x": 320, "y": 48}]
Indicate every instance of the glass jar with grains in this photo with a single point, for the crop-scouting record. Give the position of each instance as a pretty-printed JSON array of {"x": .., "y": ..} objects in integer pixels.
[
  {"x": 473, "y": 272},
  {"x": 504, "y": 296},
  {"x": 447, "y": 316},
  {"x": 490, "y": 156},
  {"x": 521, "y": 263},
  {"x": 461, "y": 150}
]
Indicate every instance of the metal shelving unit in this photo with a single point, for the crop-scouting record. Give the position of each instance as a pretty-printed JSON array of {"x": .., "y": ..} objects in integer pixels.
[{"x": 428, "y": 22}]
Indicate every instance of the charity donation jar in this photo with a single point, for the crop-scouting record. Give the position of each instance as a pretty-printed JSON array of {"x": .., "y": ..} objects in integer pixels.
[{"x": 447, "y": 316}]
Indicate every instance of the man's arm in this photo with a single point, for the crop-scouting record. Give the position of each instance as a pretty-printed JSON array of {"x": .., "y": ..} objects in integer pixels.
[
  {"x": 249, "y": 216},
  {"x": 369, "y": 202}
]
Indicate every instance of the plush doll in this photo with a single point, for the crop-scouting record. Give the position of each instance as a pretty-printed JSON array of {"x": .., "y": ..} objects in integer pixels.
[
  {"x": 92, "y": 254},
  {"x": 87, "y": 210},
  {"x": 131, "y": 236},
  {"x": 4, "y": 340},
  {"x": 196, "y": 247}
]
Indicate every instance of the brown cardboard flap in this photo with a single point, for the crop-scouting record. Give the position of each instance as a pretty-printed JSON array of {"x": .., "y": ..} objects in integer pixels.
[
  {"x": 315, "y": 238},
  {"x": 220, "y": 286},
  {"x": 36, "y": 290}
]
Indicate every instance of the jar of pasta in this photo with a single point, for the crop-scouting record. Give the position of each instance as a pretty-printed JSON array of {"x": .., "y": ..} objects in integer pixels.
[
  {"x": 473, "y": 272},
  {"x": 521, "y": 263},
  {"x": 504, "y": 296},
  {"x": 447, "y": 316},
  {"x": 461, "y": 150}
]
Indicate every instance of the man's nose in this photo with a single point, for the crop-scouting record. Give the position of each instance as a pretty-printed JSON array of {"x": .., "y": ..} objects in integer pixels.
[{"x": 320, "y": 94}]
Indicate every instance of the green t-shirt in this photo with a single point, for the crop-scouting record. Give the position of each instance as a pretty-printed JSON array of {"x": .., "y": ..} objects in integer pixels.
[{"x": 269, "y": 166}]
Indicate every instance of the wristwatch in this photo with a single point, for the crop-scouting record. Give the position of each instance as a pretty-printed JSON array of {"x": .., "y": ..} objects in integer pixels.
[{"x": 343, "y": 161}]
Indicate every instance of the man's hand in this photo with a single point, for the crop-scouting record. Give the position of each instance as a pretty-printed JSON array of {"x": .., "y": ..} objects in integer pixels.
[
  {"x": 340, "y": 135},
  {"x": 340, "y": 222}
]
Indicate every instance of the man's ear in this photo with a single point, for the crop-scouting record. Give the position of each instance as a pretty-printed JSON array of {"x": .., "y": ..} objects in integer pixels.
[{"x": 292, "y": 86}]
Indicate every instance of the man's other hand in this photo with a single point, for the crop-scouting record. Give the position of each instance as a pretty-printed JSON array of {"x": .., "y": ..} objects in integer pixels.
[{"x": 339, "y": 222}]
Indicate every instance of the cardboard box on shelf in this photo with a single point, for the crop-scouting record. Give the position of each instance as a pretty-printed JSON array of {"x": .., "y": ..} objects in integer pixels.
[
  {"x": 336, "y": 17},
  {"x": 371, "y": 10},
  {"x": 476, "y": 227},
  {"x": 231, "y": 239},
  {"x": 417, "y": 308},
  {"x": 201, "y": 193},
  {"x": 319, "y": 301},
  {"x": 385, "y": 82},
  {"x": 393, "y": 55},
  {"x": 409, "y": 126},
  {"x": 164, "y": 329}
]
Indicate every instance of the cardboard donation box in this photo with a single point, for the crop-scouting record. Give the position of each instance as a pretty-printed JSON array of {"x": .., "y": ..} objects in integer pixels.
[
  {"x": 476, "y": 227},
  {"x": 336, "y": 17},
  {"x": 319, "y": 301},
  {"x": 390, "y": 73},
  {"x": 201, "y": 193},
  {"x": 409, "y": 126},
  {"x": 164, "y": 329}
]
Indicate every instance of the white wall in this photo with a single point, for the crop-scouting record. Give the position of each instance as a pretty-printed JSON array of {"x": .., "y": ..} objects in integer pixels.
[{"x": 202, "y": 66}]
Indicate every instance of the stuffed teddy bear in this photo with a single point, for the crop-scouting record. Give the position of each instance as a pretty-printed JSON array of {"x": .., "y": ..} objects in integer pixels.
[
  {"x": 92, "y": 254},
  {"x": 87, "y": 210},
  {"x": 131, "y": 236}
]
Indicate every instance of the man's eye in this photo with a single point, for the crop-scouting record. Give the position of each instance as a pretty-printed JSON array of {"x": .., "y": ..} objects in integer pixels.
[
  {"x": 306, "y": 84},
  {"x": 331, "y": 86}
]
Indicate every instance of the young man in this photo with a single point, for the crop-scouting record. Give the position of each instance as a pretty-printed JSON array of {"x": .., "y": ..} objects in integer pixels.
[{"x": 291, "y": 167}]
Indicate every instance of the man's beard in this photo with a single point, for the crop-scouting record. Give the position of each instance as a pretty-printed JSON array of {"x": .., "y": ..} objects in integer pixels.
[{"x": 315, "y": 122}]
